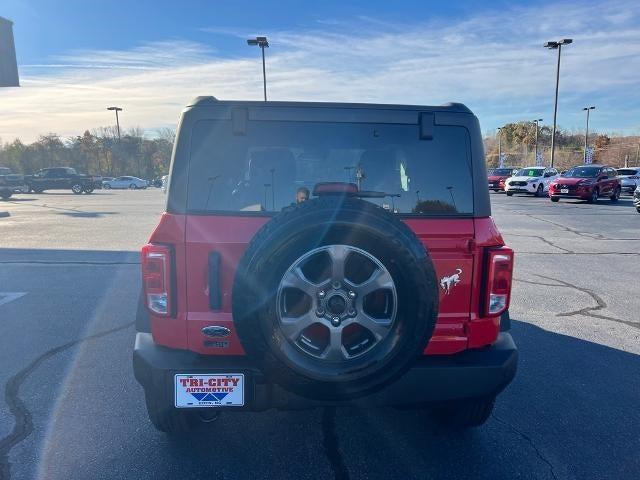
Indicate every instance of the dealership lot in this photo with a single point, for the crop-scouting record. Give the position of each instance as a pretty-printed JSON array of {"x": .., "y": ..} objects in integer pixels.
[{"x": 69, "y": 280}]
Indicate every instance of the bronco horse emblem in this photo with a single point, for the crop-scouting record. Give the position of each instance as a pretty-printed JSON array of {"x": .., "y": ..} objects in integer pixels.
[{"x": 451, "y": 281}]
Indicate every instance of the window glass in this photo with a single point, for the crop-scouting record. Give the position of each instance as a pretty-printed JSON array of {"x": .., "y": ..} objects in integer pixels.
[
  {"x": 583, "y": 172},
  {"x": 530, "y": 172},
  {"x": 262, "y": 170}
]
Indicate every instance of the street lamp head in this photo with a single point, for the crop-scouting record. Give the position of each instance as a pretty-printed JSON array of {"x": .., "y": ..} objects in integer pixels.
[
  {"x": 262, "y": 42},
  {"x": 565, "y": 41},
  {"x": 588, "y": 108},
  {"x": 117, "y": 109},
  {"x": 551, "y": 45}
]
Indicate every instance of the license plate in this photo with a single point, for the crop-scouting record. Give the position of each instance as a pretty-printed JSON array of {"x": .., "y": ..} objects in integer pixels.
[
  {"x": 220, "y": 390},
  {"x": 564, "y": 190}
]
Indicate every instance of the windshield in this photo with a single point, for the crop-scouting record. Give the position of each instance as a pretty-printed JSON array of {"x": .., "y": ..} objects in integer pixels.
[
  {"x": 582, "y": 172},
  {"x": 499, "y": 172},
  {"x": 530, "y": 172},
  {"x": 264, "y": 170}
]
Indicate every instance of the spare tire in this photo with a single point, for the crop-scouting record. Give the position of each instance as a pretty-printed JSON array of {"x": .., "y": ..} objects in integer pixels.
[{"x": 335, "y": 298}]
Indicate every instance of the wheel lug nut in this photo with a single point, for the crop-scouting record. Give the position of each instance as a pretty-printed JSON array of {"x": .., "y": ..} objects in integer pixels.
[
  {"x": 336, "y": 285},
  {"x": 320, "y": 312},
  {"x": 335, "y": 321},
  {"x": 352, "y": 312},
  {"x": 322, "y": 294},
  {"x": 352, "y": 294}
]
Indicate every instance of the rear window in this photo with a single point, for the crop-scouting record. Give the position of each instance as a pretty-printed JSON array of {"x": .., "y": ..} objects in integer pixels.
[
  {"x": 262, "y": 170},
  {"x": 627, "y": 171}
]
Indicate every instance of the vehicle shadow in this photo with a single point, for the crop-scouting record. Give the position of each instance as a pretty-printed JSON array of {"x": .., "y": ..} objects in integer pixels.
[
  {"x": 568, "y": 398},
  {"x": 17, "y": 200},
  {"x": 87, "y": 214}
]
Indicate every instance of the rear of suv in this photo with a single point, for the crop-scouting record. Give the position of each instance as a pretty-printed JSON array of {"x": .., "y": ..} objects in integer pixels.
[{"x": 324, "y": 254}]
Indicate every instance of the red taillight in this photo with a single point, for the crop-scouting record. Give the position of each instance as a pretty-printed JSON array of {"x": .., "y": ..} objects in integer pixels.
[
  {"x": 157, "y": 273},
  {"x": 500, "y": 270}
]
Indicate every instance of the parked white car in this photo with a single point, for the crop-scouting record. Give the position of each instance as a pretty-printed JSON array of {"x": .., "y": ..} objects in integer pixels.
[
  {"x": 132, "y": 183},
  {"x": 533, "y": 180},
  {"x": 629, "y": 178}
]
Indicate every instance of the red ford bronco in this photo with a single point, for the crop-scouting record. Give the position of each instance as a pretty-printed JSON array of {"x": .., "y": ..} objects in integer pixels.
[{"x": 324, "y": 254}]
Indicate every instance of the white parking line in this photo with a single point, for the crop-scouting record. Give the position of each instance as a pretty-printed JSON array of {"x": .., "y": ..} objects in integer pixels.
[{"x": 6, "y": 297}]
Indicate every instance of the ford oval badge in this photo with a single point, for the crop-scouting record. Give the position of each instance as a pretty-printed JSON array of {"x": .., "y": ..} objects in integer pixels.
[{"x": 216, "y": 331}]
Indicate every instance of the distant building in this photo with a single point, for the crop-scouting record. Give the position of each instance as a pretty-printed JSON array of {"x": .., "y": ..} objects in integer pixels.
[{"x": 8, "y": 64}]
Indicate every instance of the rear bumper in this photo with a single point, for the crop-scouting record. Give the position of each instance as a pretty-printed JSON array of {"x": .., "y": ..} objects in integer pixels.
[{"x": 472, "y": 373}]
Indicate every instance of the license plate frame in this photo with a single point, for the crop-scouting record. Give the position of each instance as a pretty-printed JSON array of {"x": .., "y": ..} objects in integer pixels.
[
  {"x": 215, "y": 390},
  {"x": 564, "y": 190}
]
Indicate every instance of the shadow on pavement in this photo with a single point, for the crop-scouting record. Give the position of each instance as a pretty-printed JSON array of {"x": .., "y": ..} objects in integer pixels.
[
  {"x": 570, "y": 413},
  {"x": 87, "y": 214}
]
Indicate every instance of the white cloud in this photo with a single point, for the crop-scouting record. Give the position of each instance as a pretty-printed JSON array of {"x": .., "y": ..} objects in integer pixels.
[{"x": 494, "y": 62}]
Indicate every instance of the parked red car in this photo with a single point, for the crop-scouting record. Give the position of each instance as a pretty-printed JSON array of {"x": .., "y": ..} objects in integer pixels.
[
  {"x": 271, "y": 282},
  {"x": 497, "y": 177},
  {"x": 586, "y": 182}
]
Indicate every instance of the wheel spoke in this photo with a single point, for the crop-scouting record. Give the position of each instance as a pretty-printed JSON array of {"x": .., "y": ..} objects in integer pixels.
[
  {"x": 378, "y": 280},
  {"x": 338, "y": 254},
  {"x": 295, "y": 279},
  {"x": 334, "y": 351},
  {"x": 379, "y": 327},
  {"x": 292, "y": 327}
]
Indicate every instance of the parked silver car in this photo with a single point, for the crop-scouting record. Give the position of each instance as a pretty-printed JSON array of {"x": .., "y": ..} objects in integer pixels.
[
  {"x": 132, "y": 183},
  {"x": 629, "y": 178}
]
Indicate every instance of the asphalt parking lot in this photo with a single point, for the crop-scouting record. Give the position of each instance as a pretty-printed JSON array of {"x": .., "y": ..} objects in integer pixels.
[{"x": 70, "y": 407}]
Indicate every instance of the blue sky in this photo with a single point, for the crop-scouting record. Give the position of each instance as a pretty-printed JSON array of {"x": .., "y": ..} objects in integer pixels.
[{"x": 151, "y": 57}]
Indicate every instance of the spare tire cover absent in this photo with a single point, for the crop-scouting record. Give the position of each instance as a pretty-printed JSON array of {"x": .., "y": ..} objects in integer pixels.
[{"x": 335, "y": 298}]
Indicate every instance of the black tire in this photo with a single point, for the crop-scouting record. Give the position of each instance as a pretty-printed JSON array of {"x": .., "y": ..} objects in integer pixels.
[
  {"x": 143, "y": 321},
  {"x": 38, "y": 190},
  {"x": 168, "y": 419},
  {"x": 292, "y": 234},
  {"x": 468, "y": 413},
  {"x": 4, "y": 194},
  {"x": 77, "y": 188},
  {"x": 637, "y": 209},
  {"x": 505, "y": 322},
  {"x": 133, "y": 187},
  {"x": 555, "y": 199},
  {"x": 593, "y": 198},
  {"x": 616, "y": 195},
  {"x": 540, "y": 191},
  {"x": 88, "y": 190},
  {"x": 509, "y": 194},
  {"x": 106, "y": 186}
]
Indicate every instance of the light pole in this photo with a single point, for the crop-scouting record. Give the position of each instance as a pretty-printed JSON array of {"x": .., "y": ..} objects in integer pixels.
[
  {"x": 556, "y": 46},
  {"x": 586, "y": 133},
  {"x": 536, "y": 121},
  {"x": 263, "y": 43},
  {"x": 499, "y": 146},
  {"x": 116, "y": 109}
]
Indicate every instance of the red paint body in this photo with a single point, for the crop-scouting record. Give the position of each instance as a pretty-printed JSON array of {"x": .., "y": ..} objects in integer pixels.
[
  {"x": 452, "y": 244},
  {"x": 583, "y": 188}
]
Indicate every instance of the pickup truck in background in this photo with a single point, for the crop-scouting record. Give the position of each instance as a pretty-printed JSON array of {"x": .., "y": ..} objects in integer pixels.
[
  {"x": 60, "y": 178},
  {"x": 10, "y": 183}
]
